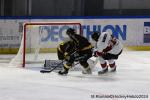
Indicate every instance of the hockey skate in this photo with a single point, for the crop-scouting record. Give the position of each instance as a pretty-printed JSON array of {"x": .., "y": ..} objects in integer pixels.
[
  {"x": 87, "y": 71},
  {"x": 63, "y": 72},
  {"x": 113, "y": 69},
  {"x": 103, "y": 71}
]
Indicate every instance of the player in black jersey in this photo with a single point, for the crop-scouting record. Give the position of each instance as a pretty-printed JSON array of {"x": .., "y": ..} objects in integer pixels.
[{"x": 80, "y": 50}]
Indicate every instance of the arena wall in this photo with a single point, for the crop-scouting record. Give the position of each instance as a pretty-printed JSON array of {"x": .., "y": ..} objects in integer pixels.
[{"x": 134, "y": 32}]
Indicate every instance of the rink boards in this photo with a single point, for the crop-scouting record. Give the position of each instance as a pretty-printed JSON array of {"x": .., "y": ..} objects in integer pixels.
[{"x": 134, "y": 32}]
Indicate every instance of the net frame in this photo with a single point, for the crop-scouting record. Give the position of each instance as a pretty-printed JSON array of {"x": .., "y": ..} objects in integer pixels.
[{"x": 43, "y": 23}]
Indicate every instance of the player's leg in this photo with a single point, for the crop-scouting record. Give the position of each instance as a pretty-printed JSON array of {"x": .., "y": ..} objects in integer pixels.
[
  {"x": 86, "y": 67},
  {"x": 103, "y": 65},
  {"x": 60, "y": 54},
  {"x": 67, "y": 65},
  {"x": 112, "y": 65},
  {"x": 66, "y": 68},
  {"x": 85, "y": 56},
  {"x": 111, "y": 60}
]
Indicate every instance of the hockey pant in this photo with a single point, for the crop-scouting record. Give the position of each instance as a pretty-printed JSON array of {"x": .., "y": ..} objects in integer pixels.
[{"x": 109, "y": 56}]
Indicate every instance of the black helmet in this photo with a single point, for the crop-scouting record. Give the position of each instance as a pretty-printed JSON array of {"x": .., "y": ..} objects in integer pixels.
[
  {"x": 95, "y": 36},
  {"x": 70, "y": 31}
]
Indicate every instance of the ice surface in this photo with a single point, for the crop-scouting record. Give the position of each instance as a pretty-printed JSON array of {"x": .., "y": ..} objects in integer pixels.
[{"x": 132, "y": 77}]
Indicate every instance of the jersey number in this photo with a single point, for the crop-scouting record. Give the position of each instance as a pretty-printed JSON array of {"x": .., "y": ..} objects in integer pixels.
[{"x": 104, "y": 38}]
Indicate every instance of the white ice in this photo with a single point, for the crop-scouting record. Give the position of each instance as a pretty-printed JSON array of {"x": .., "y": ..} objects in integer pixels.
[{"x": 132, "y": 78}]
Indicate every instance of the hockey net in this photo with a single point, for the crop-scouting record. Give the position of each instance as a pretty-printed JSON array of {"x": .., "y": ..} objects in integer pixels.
[{"x": 39, "y": 40}]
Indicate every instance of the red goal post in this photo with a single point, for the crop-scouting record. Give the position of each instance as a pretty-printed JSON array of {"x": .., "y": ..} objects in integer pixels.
[{"x": 36, "y": 33}]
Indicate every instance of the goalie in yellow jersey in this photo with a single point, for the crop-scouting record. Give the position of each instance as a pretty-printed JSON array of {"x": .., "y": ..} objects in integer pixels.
[{"x": 75, "y": 50}]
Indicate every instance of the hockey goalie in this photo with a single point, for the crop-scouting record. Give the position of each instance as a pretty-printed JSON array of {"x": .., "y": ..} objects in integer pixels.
[{"x": 77, "y": 49}]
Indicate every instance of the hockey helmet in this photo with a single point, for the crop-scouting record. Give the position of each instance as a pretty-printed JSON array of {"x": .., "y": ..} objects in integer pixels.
[
  {"x": 70, "y": 31},
  {"x": 95, "y": 36}
]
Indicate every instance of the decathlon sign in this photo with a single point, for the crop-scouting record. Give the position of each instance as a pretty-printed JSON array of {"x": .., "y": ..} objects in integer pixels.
[
  {"x": 116, "y": 30},
  {"x": 130, "y": 31},
  {"x": 56, "y": 33}
]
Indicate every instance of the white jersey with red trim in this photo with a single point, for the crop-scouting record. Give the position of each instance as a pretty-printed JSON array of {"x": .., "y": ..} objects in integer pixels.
[{"x": 106, "y": 43}]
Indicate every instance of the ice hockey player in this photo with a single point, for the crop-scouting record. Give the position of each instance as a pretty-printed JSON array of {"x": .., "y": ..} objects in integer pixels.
[
  {"x": 108, "y": 49},
  {"x": 82, "y": 52}
]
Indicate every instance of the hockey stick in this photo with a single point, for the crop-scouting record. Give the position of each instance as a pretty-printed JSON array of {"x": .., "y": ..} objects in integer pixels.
[{"x": 48, "y": 71}]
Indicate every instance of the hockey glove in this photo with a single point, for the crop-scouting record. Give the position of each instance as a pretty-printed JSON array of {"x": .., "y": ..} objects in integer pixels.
[
  {"x": 76, "y": 55},
  {"x": 97, "y": 54},
  {"x": 66, "y": 56}
]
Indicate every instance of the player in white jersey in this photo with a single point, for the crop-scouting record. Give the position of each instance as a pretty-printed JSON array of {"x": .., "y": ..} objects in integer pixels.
[{"x": 107, "y": 48}]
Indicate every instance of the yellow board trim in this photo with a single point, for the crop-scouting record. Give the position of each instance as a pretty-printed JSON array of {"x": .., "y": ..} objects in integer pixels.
[
  {"x": 8, "y": 50},
  {"x": 15, "y": 50},
  {"x": 54, "y": 50},
  {"x": 138, "y": 48}
]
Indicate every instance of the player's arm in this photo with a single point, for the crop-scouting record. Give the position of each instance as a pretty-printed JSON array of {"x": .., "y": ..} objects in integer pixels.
[
  {"x": 102, "y": 44},
  {"x": 111, "y": 44},
  {"x": 99, "y": 51}
]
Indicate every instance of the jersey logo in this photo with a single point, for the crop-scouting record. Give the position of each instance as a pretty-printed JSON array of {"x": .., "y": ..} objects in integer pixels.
[{"x": 104, "y": 38}]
